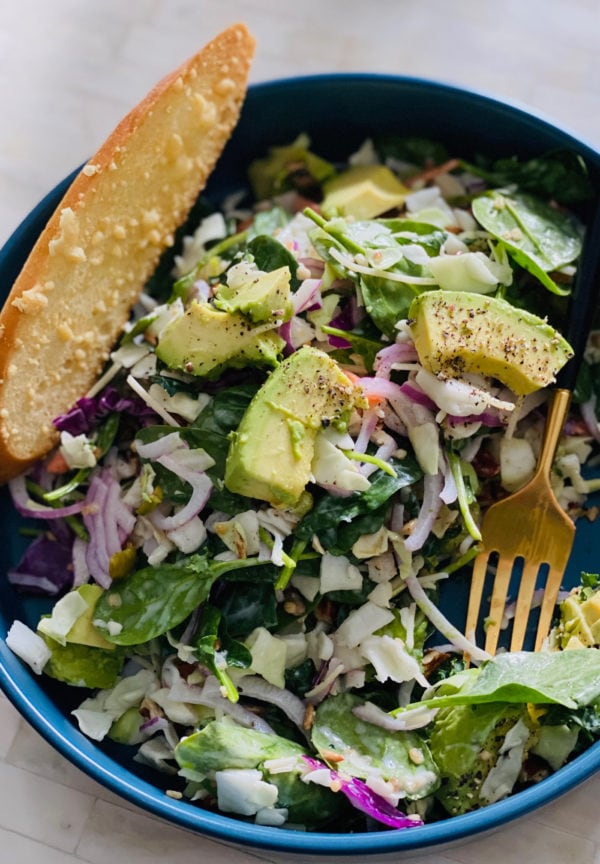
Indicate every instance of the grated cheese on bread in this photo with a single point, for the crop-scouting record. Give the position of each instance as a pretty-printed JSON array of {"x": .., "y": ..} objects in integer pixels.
[{"x": 74, "y": 295}]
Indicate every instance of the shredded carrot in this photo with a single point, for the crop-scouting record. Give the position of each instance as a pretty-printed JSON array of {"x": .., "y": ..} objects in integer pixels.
[
  {"x": 373, "y": 399},
  {"x": 57, "y": 464},
  {"x": 433, "y": 172}
]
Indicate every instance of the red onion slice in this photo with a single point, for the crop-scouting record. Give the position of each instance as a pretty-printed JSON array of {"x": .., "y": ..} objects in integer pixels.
[
  {"x": 588, "y": 415},
  {"x": 392, "y": 355},
  {"x": 211, "y": 696},
  {"x": 307, "y": 295},
  {"x": 414, "y": 718},
  {"x": 26, "y": 507},
  {"x": 432, "y": 502},
  {"x": 163, "y": 446},
  {"x": 201, "y": 489}
]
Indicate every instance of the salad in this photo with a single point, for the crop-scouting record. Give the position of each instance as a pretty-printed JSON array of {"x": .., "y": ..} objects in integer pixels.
[{"x": 245, "y": 530}]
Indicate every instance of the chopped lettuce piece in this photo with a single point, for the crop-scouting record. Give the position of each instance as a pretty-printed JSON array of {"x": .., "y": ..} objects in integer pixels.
[
  {"x": 222, "y": 745},
  {"x": 363, "y": 750},
  {"x": 569, "y": 678},
  {"x": 465, "y": 744}
]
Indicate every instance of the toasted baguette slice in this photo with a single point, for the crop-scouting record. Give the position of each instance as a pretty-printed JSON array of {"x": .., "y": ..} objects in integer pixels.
[{"x": 85, "y": 273}]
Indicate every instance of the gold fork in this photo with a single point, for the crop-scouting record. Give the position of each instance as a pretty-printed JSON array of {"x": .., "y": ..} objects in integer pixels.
[{"x": 529, "y": 525}]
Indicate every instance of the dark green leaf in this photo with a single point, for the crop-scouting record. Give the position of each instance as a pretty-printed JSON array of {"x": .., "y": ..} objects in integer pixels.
[
  {"x": 334, "y": 517},
  {"x": 247, "y": 605},
  {"x": 300, "y": 678},
  {"x": 539, "y": 237},
  {"x": 414, "y": 150},
  {"x": 387, "y": 301},
  {"x": 561, "y": 175},
  {"x": 269, "y": 254},
  {"x": 153, "y": 600},
  {"x": 207, "y": 633},
  {"x": 219, "y": 418}
]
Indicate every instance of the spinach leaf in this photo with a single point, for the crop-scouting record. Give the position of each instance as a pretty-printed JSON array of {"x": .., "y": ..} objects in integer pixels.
[
  {"x": 559, "y": 174},
  {"x": 269, "y": 254},
  {"x": 405, "y": 231},
  {"x": 570, "y": 678},
  {"x": 219, "y": 418},
  {"x": 246, "y": 605},
  {"x": 338, "y": 522},
  {"x": 266, "y": 222},
  {"x": 387, "y": 301},
  {"x": 588, "y": 384},
  {"x": 537, "y": 236},
  {"x": 150, "y": 601},
  {"x": 212, "y": 637}
]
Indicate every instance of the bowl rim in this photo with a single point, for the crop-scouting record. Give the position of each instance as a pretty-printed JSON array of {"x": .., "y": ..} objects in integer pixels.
[{"x": 44, "y": 716}]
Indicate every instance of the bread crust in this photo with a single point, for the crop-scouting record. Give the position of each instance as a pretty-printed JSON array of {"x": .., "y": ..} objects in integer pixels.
[{"x": 76, "y": 290}]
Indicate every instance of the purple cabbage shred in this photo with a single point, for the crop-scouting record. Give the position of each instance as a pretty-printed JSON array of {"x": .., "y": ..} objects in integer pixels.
[
  {"x": 363, "y": 798},
  {"x": 89, "y": 411},
  {"x": 46, "y": 567}
]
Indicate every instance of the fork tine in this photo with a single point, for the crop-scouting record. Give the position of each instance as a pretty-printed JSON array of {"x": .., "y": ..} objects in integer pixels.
[
  {"x": 497, "y": 604},
  {"x": 523, "y": 607},
  {"x": 550, "y": 594},
  {"x": 475, "y": 594}
]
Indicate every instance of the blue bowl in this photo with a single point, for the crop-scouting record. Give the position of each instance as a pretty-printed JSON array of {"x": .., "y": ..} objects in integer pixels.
[{"x": 338, "y": 112}]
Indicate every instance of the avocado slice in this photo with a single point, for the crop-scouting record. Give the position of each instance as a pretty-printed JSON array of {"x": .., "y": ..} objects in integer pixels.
[
  {"x": 232, "y": 331},
  {"x": 456, "y": 332},
  {"x": 263, "y": 298},
  {"x": 363, "y": 192},
  {"x": 83, "y": 631},
  {"x": 271, "y": 452},
  {"x": 205, "y": 340},
  {"x": 580, "y": 621}
]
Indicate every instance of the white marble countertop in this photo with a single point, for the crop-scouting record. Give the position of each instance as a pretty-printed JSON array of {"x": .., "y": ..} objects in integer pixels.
[{"x": 69, "y": 69}]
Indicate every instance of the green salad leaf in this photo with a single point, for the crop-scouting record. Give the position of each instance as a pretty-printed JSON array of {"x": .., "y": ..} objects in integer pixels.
[
  {"x": 561, "y": 175},
  {"x": 149, "y": 602},
  {"x": 222, "y": 745},
  {"x": 465, "y": 743},
  {"x": 269, "y": 254},
  {"x": 366, "y": 750},
  {"x": 339, "y": 522},
  {"x": 538, "y": 236},
  {"x": 570, "y": 678}
]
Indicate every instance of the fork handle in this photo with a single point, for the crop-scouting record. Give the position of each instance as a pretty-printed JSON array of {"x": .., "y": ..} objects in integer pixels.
[{"x": 557, "y": 413}]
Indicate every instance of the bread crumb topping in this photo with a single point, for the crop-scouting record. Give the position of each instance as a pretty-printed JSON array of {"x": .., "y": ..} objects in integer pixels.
[
  {"x": 31, "y": 301},
  {"x": 67, "y": 241}
]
